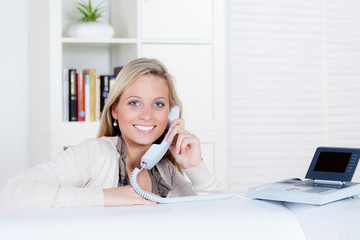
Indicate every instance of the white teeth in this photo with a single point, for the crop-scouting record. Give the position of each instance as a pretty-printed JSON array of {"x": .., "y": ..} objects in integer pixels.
[{"x": 144, "y": 128}]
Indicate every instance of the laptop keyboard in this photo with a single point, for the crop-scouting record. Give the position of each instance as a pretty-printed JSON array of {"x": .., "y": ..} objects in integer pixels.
[
  {"x": 317, "y": 188},
  {"x": 316, "y": 185}
]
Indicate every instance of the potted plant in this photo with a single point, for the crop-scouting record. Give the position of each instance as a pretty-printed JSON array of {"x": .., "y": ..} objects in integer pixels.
[{"x": 88, "y": 25}]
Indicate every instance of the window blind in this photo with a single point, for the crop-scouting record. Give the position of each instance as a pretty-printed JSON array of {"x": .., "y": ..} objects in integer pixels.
[{"x": 294, "y": 83}]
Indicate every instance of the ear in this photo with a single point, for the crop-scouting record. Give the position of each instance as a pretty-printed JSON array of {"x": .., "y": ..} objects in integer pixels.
[{"x": 113, "y": 112}]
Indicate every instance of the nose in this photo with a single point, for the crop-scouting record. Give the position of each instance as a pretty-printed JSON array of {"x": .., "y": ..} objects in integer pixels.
[{"x": 146, "y": 113}]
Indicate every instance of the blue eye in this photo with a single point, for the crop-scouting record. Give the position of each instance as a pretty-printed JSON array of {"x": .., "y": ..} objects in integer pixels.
[
  {"x": 134, "y": 103},
  {"x": 159, "y": 104}
]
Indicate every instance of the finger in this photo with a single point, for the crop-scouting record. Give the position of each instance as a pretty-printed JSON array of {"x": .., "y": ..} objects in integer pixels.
[
  {"x": 172, "y": 149},
  {"x": 184, "y": 141},
  {"x": 179, "y": 133},
  {"x": 139, "y": 200},
  {"x": 178, "y": 122},
  {"x": 177, "y": 129},
  {"x": 143, "y": 201}
]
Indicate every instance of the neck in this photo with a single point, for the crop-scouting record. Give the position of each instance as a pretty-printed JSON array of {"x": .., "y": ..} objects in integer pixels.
[{"x": 134, "y": 154}]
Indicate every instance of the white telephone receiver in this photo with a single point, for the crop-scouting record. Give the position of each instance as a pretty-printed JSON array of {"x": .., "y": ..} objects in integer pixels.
[{"x": 152, "y": 156}]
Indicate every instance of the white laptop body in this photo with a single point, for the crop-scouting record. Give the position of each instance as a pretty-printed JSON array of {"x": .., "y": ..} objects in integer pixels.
[{"x": 328, "y": 179}]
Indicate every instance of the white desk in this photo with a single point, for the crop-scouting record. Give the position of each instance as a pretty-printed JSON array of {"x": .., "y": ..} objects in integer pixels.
[
  {"x": 219, "y": 219},
  {"x": 235, "y": 218},
  {"x": 334, "y": 221}
]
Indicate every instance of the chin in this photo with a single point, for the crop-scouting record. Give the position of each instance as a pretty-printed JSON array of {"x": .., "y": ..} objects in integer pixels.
[{"x": 145, "y": 141}]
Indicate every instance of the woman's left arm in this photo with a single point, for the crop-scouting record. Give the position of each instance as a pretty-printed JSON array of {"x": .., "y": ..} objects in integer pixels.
[{"x": 187, "y": 152}]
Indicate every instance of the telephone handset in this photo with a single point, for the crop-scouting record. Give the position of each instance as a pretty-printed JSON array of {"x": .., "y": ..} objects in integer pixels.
[{"x": 152, "y": 156}]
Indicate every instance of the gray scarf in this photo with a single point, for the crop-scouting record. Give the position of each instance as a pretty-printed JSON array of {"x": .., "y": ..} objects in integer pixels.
[{"x": 159, "y": 187}]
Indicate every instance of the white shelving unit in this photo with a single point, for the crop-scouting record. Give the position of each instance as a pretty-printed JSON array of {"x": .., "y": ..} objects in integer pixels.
[{"x": 187, "y": 36}]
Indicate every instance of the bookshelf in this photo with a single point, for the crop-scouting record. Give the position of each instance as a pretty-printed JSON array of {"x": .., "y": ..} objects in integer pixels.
[{"x": 192, "y": 47}]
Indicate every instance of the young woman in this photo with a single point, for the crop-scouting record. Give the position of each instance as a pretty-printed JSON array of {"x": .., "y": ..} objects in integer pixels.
[{"x": 96, "y": 172}]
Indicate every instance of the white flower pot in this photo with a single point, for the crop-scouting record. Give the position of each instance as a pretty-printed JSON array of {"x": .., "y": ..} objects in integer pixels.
[{"x": 91, "y": 30}]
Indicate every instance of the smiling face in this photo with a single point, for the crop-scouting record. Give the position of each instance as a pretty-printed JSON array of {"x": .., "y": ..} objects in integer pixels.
[{"x": 142, "y": 110}]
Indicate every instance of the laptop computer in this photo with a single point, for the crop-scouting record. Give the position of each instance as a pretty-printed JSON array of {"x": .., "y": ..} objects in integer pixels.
[{"x": 328, "y": 179}]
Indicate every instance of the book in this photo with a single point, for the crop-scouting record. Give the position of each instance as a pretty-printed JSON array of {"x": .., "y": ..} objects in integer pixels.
[
  {"x": 73, "y": 112},
  {"x": 97, "y": 99},
  {"x": 65, "y": 85},
  {"x": 87, "y": 96},
  {"x": 92, "y": 79},
  {"x": 112, "y": 81},
  {"x": 81, "y": 97},
  {"x": 105, "y": 89},
  {"x": 117, "y": 70}
]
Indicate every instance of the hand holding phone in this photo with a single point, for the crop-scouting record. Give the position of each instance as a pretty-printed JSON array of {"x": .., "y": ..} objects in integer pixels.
[{"x": 187, "y": 149}]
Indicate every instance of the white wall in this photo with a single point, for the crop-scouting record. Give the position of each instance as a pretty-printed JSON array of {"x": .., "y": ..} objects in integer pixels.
[{"x": 14, "y": 97}]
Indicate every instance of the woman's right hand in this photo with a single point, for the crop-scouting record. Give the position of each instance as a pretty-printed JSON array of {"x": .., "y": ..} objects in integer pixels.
[{"x": 123, "y": 196}]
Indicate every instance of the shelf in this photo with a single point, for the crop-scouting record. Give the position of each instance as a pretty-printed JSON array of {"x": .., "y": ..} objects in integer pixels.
[
  {"x": 80, "y": 127},
  {"x": 99, "y": 40},
  {"x": 177, "y": 41},
  {"x": 134, "y": 41}
]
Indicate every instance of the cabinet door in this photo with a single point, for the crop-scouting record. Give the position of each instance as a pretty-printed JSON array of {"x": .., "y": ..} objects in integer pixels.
[
  {"x": 191, "y": 65},
  {"x": 176, "y": 19}
]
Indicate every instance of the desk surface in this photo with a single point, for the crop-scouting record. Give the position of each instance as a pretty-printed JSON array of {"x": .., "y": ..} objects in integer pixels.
[
  {"x": 337, "y": 220},
  {"x": 234, "y": 218}
]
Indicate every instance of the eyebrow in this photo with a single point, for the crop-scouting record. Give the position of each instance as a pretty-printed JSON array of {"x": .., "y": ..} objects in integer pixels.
[
  {"x": 158, "y": 98},
  {"x": 138, "y": 97}
]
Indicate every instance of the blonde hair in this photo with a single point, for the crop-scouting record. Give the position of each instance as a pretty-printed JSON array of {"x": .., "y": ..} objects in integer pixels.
[{"x": 128, "y": 74}]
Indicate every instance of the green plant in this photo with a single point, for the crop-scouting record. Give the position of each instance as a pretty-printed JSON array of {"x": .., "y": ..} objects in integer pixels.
[{"x": 90, "y": 13}]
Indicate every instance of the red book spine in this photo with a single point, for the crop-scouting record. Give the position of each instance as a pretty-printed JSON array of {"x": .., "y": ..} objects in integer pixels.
[{"x": 81, "y": 97}]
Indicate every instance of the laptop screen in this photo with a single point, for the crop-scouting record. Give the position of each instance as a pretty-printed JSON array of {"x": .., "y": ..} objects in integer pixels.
[
  {"x": 332, "y": 161},
  {"x": 335, "y": 164}
]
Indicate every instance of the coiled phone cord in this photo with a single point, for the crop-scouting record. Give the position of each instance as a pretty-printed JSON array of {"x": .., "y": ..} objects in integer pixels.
[{"x": 157, "y": 199}]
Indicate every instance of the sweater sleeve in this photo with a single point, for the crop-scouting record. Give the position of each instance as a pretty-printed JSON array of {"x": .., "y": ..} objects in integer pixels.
[
  {"x": 61, "y": 182},
  {"x": 203, "y": 182},
  {"x": 199, "y": 180}
]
